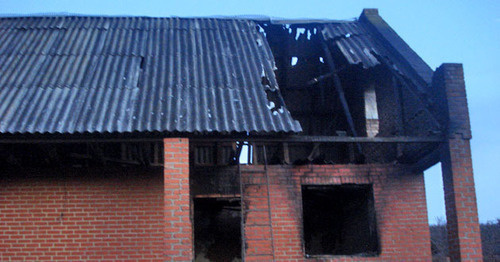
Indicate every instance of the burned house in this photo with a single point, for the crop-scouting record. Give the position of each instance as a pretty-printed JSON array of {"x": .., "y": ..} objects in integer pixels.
[{"x": 226, "y": 139}]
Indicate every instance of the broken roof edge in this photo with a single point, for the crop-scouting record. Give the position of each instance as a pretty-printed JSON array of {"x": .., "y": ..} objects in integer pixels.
[{"x": 395, "y": 43}]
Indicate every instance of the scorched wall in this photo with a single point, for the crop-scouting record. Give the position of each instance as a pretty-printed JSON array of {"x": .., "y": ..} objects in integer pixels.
[
  {"x": 400, "y": 207},
  {"x": 111, "y": 214}
]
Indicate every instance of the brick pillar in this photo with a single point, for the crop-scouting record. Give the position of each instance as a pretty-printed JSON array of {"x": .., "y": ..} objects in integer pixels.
[
  {"x": 464, "y": 236},
  {"x": 178, "y": 226}
]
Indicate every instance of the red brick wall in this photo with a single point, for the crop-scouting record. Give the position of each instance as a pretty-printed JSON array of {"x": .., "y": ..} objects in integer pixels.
[
  {"x": 399, "y": 203},
  {"x": 178, "y": 225},
  {"x": 129, "y": 214},
  {"x": 100, "y": 214}
]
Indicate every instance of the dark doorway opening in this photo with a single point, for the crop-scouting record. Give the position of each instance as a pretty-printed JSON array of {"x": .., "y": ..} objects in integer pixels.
[
  {"x": 339, "y": 220},
  {"x": 217, "y": 229}
]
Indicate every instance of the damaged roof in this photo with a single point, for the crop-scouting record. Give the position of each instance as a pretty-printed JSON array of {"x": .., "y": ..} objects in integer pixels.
[
  {"x": 124, "y": 74},
  {"x": 370, "y": 39},
  {"x": 81, "y": 74}
]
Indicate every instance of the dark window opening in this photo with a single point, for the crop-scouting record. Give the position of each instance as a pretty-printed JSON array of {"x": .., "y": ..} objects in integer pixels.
[
  {"x": 217, "y": 229},
  {"x": 339, "y": 220}
]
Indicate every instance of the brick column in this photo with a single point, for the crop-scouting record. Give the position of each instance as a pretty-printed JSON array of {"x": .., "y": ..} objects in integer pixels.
[
  {"x": 178, "y": 226},
  {"x": 464, "y": 236}
]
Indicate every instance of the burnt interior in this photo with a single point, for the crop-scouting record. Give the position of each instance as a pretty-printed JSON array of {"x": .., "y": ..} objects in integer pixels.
[
  {"x": 339, "y": 220},
  {"x": 367, "y": 100},
  {"x": 217, "y": 230},
  {"x": 79, "y": 155},
  {"x": 306, "y": 84},
  {"x": 299, "y": 57}
]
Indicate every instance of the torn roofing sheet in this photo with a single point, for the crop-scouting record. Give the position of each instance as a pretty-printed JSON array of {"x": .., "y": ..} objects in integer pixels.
[
  {"x": 362, "y": 46},
  {"x": 77, "y": 74},
  {"x": 353, "y": 41}
]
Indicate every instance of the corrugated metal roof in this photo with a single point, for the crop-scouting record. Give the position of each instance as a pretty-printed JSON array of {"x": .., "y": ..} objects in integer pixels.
[
  {"x": 355, "y": 43},
  {"x": 126, "y": 74},
  {"x": 359, "y": 45}
]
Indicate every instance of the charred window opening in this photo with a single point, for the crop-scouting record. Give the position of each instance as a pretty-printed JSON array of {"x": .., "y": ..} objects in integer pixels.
[
  {"x": 339, "y": 220},
  {"x": 217, "y": 229}
]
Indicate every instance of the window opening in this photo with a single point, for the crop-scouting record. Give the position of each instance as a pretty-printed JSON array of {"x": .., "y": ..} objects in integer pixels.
[
  {"x": 217, "y": 229},
  {"x": 339, "y": 220},
  {"x": 246, "y": 155}
]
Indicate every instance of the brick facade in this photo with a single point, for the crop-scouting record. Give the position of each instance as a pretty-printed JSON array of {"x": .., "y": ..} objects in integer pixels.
[
  {"x": 464, "y": 235},
  {"x": 400, "y": 207},
  {"x": 127, "y": 214},
  {"x": 79, "y": 214},
  {"x": 98, "y": 214}
]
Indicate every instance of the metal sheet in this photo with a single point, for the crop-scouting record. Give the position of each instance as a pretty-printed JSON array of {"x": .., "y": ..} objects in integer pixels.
[
  {"x": 360, "y": 46},
  {"x": 355, "y": 43},
  {"x": 126, "y": 74}
]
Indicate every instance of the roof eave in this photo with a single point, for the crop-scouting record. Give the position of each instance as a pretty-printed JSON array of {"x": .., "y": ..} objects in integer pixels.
[{"x": 381, "y": 29}]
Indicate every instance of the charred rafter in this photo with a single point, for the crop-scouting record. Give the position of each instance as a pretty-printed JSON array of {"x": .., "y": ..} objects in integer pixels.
[{"x": 340, "y": 91}]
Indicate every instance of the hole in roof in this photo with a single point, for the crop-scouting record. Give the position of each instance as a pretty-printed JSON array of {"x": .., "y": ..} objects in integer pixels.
[
  {"x": 321, "y": 60},
  {"x": 299, "y": 32},
  {"x": 259, "y": 42},
  {"x": 294, "y": 60},
  {"x": 261, "y": 30},
  {"x": 271, "y": 105}
]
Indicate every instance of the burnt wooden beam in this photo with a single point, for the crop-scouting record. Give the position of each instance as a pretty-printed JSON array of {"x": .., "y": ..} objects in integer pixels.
[
  {"x": 334, "y": 139},
  {"x": 350, "y": 139},
  {"x": 319, "y": 79},
  {"x": 314, "y": 152},
  {"x": 289, "y": 139},
  {"x": 340, "y": 91},
  {"x": 286, "y": 153},
  {"x": 235, "y": 197}
]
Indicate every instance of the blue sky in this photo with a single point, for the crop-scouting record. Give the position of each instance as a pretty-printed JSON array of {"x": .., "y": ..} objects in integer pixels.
[{"x": 461, "y": 31}]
